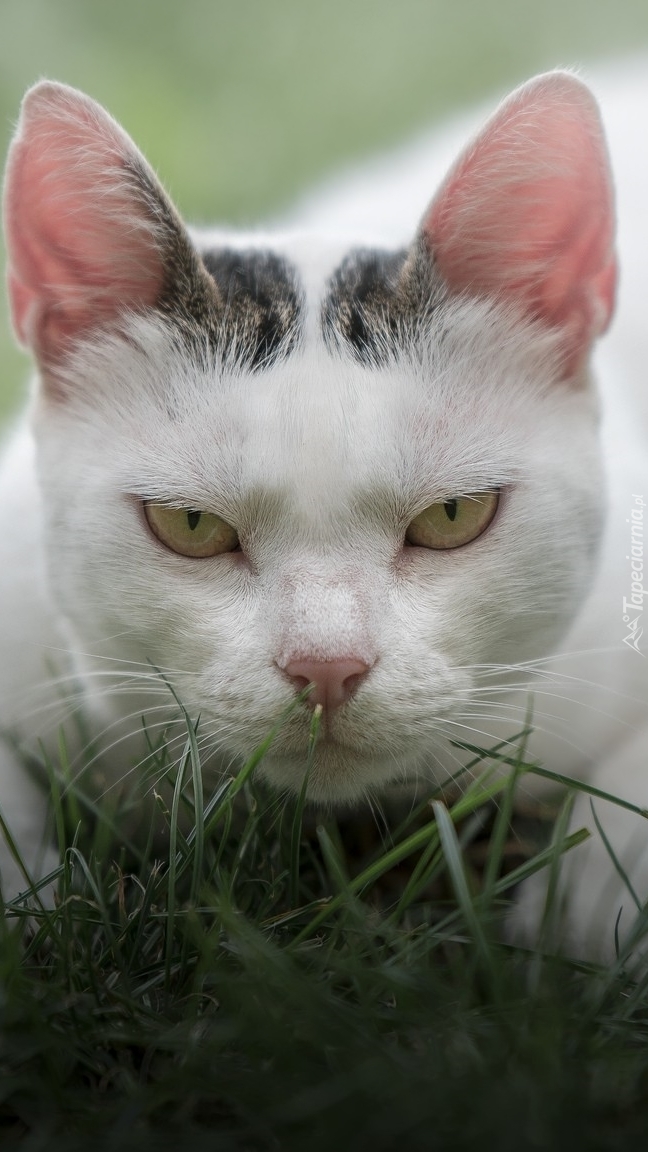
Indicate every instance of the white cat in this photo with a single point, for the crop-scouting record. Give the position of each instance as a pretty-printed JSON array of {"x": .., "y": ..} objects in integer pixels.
[{"x": 259, "y": 461}]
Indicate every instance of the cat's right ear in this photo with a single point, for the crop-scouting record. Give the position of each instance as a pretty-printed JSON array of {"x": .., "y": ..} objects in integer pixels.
[{"x": 88, "y": 226}]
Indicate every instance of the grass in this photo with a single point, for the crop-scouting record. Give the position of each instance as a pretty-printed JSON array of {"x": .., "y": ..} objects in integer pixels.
[{"x": 281, "y": 980}]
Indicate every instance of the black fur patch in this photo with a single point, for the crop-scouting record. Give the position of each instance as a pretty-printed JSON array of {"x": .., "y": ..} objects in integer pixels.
[
  {"x": 261, "y": 304},
  {"x": 377, "y": 300},
  {"x": 243, "y": 305},
  {"x": 188, "y": 297}
]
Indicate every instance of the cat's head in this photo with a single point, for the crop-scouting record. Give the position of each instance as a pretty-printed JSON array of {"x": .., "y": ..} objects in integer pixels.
[{"x": 268, "y": 463}]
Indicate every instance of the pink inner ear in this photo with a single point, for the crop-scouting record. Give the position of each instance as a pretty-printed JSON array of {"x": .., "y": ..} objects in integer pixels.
[
  {"x": 527, "y": 213},
  {"x": 82, "y": 240}
]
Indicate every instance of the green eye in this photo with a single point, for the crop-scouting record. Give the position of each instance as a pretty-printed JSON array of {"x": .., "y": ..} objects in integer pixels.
[
  {"x": 451, "y": 523},
  {"x": 190, "y": 532}
]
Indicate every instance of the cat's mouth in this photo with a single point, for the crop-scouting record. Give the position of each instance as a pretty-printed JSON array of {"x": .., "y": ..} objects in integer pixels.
[
  {"x": 338, "y": 772},
  {"x": 327, "y": 737}
]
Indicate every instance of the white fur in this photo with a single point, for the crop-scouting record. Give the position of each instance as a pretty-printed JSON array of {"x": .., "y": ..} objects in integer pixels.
[{"x": 321, "y": 465}]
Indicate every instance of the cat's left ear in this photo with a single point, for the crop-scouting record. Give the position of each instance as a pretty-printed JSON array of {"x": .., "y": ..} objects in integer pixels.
[{"x": 526, "y": 216}]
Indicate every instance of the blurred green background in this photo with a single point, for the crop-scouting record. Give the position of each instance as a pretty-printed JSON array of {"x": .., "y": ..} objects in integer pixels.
[{"x": 240, "y": 104}]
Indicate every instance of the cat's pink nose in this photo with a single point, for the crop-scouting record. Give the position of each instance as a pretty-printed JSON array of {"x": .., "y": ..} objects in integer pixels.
[{"x": 335, "y": 680}]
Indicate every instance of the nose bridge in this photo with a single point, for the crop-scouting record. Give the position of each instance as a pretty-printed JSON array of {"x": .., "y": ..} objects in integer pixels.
[{"x": 326, "y": 614}]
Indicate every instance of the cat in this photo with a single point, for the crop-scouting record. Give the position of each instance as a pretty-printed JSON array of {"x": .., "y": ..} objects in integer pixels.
[{"x": 372, "y": 463}]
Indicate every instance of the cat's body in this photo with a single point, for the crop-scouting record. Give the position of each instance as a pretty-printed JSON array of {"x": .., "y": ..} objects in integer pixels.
[{"x": 316, "y": 397}]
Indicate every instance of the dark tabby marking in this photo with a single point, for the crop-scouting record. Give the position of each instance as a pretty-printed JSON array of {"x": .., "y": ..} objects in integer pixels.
[
  {"x": 243, "y": 304},
  {"x": 261, "y": 303},
  {"x": 189, "y": 297},
  {"x": 377, "y": 300}
]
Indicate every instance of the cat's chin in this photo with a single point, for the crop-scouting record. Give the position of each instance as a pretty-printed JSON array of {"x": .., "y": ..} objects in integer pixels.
[{"x": 339, "y": 775}]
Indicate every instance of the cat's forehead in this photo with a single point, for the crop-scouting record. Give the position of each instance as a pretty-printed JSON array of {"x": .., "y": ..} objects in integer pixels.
[
  {"x": 336, "y": 391},
  {"x": 359, "y": 296},
  {"x": 324, "y": 424}
]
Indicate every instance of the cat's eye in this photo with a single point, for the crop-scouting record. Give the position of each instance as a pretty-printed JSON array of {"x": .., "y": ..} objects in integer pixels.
[
  {"x": 190, "y": 532},
  {"x": 451, "y": 523}
]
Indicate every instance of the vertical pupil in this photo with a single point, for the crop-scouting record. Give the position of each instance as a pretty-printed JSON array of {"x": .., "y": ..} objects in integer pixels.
[
  {"x": 192, "y": 519},
  {"x": 450, "y": 509}
]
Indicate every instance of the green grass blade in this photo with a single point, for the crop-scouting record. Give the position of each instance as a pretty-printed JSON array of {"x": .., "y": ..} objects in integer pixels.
[
  {"x": 297, "y": 820},
  {"x": 33, "y": 887},
  {"x": 198, "y": 841},
  {"x": 615, "y": 859},
  {"x": 494, "y": 752},
  {"x": 456, "y": 870},
  {"x": 588, "y": 789},
  {"x": 504, "y": 816},
  {"x": 172, "y": 871},
  {"x": 474, "y": 796}
]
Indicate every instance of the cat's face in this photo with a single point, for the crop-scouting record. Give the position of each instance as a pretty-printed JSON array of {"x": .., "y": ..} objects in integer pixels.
[
  {"x": 397, "y": 477},
  {"x": 321, "y": 464}
]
